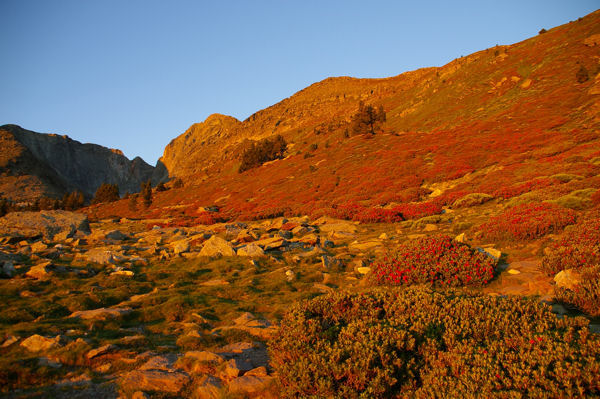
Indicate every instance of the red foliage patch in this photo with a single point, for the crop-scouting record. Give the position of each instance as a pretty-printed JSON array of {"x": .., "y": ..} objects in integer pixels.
[
  {"x": 399, "y": 213},
  {"x": 439, "y": 260},
  {"x": 580, "y": 247},
  {"x": 528, "y": 222},
  {"x": 513, "y": 191}
]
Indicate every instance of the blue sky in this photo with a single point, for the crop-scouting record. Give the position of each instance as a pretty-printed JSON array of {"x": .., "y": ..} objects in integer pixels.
[{"x": 133, "y": 74}]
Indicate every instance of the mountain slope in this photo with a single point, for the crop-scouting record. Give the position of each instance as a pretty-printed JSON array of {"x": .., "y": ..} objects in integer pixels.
[
  {"x": 34, "y": 164},
  {"x": 497, "y": 118}
]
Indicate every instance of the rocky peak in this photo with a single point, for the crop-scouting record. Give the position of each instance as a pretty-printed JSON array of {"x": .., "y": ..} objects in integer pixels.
[{"x": 182, "y": 154}]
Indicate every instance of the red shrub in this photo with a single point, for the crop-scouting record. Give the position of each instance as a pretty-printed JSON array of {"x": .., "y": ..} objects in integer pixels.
[
  {"x": 596, "y": 198},
  {"x": 528, "y": 222},
  {"x": 513, "y": 191},
  {"x": 580, "y": 247},
  {"x": 399, "y": 213},
  {"x": 440, "y": 261}
]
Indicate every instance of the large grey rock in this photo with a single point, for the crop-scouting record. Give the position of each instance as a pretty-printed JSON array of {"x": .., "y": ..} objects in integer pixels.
[
  {"x": 216, "y": 246},
  {"x": 44, "y": 223},
  {"x": 8, "y": 268}
]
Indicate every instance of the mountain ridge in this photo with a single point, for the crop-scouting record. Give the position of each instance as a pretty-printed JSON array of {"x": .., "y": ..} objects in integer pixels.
[
  {"x": 37, "y": 164},
  {"x": 501, "y": 116}
]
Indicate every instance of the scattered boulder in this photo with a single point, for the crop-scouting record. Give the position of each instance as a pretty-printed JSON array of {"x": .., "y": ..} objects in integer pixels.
[
  {"x": 462, "y": 238},
  {"x": 209, "y": 387},
  {"x": 115, "y": 235},
  {"x": 246, "y": 235},
  {"x": 41, "y": 271},
  {"x": 430, "y": 227},
  {"x": 44, "y": 223},
  {"x": 155, "y": 380},
  {"x": 8, "y": 268},
  {"x": 100, "y": 351},
  {"x": 592, "y": 41},
  {"x": 216, "y": 246},
  {"x": 101, "y": 313},
  {"x": 491, "y": 252},
  {"x": 271, "y": 243},
  {"x": 236, "y": 367},
  {"x": 346, "y": 227},
  {"x": 205, "y": 356},
  {"x": 9, "y": 341},
  {"x": 38, "y": 247},
  {"x": 249, "y": 384},
  {"x": 250, "y": 250},
  {"x": 180, "y": 246},
  {"x": 103, "y": 256},
  {"x": 38, "y": 343},
  {"x": 568, "y": 278}
]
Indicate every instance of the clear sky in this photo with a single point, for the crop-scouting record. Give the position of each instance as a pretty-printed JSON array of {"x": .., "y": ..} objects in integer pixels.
[{"x": 134, "y": 74}]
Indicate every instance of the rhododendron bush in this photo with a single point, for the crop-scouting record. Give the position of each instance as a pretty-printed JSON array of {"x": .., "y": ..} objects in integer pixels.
[
  {"x": 528, "y": 222},
  {"x": 415, "y": 342},
  {"x": 440, "y": 261},
  {"x": 580, "y": 247},
  {"x": 352, "y": 211}
]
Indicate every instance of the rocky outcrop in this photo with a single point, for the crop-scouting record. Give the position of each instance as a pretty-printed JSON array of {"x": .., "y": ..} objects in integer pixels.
[
  {"x": 190, "y": 152},
  {"x": 35, "y": 164},
  {"x": 44, "y": 223}
]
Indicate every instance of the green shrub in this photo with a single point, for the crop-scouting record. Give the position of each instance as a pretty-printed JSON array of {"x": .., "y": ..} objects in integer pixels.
[
  {"x": 416, "y": 342},
  {"x": 472, "y": 200},
  {"x": 580, "y": 199},
  {"x": 368, "y": 119},
  {"x": 262, "y": 151},
  {"x": 566, "y": 177},
  {"x": 582, "y": 75},
  {"x": 584, "y": 296},
  {"x": 106, "y": 193}
]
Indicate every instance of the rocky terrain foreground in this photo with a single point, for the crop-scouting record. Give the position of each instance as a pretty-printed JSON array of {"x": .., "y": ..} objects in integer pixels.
[{"x": 125, "y": 308}]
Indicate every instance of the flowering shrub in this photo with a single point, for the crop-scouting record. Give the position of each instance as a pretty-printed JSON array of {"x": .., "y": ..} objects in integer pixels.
[
  {"x": 415, "y": 342},
  {"x": 596, "y": 198},
  {"x": 580, "y": 247},
  {"x": 513, "y": 191},
  {"x": 440, "y": 261},
  {"x": 586, "y": 295},
  {"x": 352, "y": 211},
  {"x": 528, "y": 222}
]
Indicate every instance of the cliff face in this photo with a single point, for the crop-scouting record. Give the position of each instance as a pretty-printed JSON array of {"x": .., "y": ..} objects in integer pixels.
[
  {"x": 200, "y": 146},
  {"x": 49, "y": 164}
]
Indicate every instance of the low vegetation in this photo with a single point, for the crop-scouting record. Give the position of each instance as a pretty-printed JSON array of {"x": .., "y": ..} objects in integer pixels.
[
  {"x": 528, "y": 222},
  {"x": 415, "y": 342},
  {"x": 437, "y": 260},
  {"x": 578, "y": 248}
]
